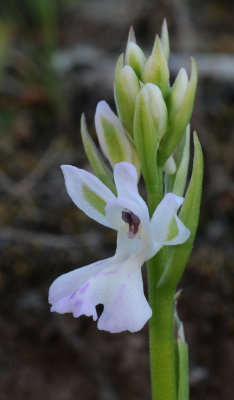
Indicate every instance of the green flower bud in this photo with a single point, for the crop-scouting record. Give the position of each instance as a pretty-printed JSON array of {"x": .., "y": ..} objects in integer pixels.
[
  {"x": 156, "y": 69},
  {"x": 99, "y": 167},
  {"x": 158, "y": 109},
  {"x": 111, "y": 135},
  {"x": 177, "y": 92},
  {"x": 178, "y": 120},
  {"x": 134, "y": 56},
  {"x": 150, "y": 123},
  {"x": 126, "y": 88}
]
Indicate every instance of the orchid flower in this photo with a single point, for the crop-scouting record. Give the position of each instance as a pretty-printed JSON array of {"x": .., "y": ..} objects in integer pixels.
[{"x": 116, "y": 282}]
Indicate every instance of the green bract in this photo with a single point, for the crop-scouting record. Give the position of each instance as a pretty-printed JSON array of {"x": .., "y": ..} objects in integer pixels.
[
  {"x": 182, "y": 160},
  {"x": 94, "y": 157},
  {"x": 176, "y": 180},
  {"x": 189, "y": 214},
  {"x": 178, "y": 120}
]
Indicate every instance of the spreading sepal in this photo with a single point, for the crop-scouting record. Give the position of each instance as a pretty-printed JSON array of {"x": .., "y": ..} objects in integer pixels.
[{"x": 87, "y": 192}]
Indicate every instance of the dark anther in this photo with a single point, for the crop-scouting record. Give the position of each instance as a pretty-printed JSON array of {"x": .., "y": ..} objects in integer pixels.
[{"x": 133, "y": 221}]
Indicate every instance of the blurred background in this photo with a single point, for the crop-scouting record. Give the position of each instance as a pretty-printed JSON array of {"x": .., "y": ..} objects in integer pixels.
[{"x": 57, "y": 59}]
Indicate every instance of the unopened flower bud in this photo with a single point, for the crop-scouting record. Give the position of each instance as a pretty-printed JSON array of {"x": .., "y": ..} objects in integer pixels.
[
  {"x": 150, "y": 123},
  {"x": 158, "y": 109},
  {"x": 170, "y": 166},
  {"x": 126, "y": 88},
  {"x": 134, "y": 55},
  {"x": 177, "y": 92},
  {"x": 156, "y": 69},
  {"x": 177, "y": 121}
]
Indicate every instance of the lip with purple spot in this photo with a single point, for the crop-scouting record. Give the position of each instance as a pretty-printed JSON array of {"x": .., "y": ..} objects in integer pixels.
[{"x": 133, "y": 221}]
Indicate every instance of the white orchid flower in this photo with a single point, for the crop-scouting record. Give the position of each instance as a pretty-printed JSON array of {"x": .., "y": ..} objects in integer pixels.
[{"x": 116, "y": 282}]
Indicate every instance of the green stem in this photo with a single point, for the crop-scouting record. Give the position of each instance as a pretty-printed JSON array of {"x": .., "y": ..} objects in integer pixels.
[
  {"x": 162, "y": 348},
  {"x": 161, "y": 329}
]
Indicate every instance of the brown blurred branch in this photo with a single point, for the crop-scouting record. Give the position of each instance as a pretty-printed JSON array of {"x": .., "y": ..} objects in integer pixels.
[
  {"x": 48, "y": 239},
  {"x": 215, "y": 65},
  {"x": 22, "y": 188}
]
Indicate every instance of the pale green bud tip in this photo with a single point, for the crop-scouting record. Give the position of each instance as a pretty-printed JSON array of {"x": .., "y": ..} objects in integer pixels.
[
  {"x": 131, "y": 35},
  {"x": 165, "y": 39},
  {"x": 111, "y": 135},
  {"x": 83, "y": 124},
  {"x": 119, "y": 64},
  {"x": 135, "y": 58},
  {"x": 158, "y": 108}
]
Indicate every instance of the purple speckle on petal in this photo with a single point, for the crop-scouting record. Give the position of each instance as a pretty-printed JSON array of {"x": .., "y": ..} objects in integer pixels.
[
  {"x": 72, "y": 296},
  {"x": 111, "y": 272},
  {"x": 78, "y": 303},
  {"x": 84, "y": 288}
]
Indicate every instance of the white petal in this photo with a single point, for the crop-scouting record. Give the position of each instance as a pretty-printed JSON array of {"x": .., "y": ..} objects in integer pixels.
[
  {"x": 66, "y": 284},
  {"x": 76, "y": 179},
  {"x": 114, "y": 283},
  {"x": 126, "y": 247},
  {"x": 162, "y": 218},
  {"x": 128, "y": 308}
]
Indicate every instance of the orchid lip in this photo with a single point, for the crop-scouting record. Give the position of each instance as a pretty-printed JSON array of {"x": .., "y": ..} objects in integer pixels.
[{"x": 132, "y": 220}]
